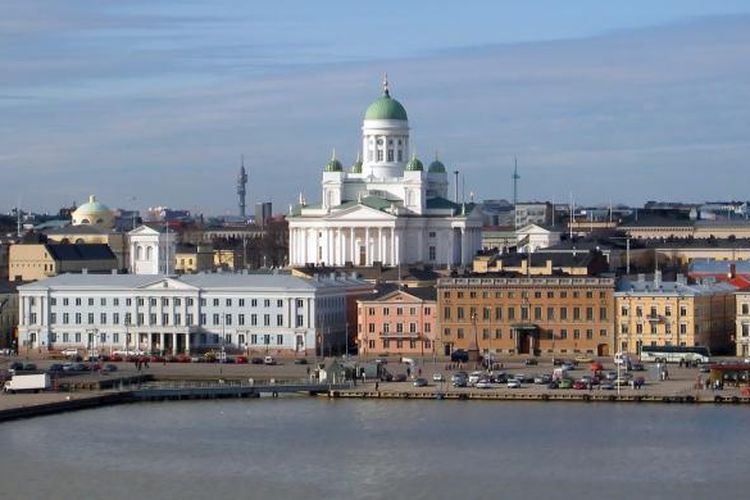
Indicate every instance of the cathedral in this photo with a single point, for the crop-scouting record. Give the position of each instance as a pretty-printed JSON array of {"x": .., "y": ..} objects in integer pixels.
[{"x": 387, "y": 207}]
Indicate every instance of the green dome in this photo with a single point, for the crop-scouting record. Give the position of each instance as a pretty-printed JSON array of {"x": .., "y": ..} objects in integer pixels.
[
  {"x": 386, "y": 108},
  {"x": 414, "y": 165},
  {"x": 333, "y": 166},
  {"x": 357, "y": 165},
  {"x": 436, "y": 167}
]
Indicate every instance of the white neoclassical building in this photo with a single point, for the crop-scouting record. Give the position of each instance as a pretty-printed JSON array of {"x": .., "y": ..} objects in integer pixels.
[
  {"x": 271, "y": 313},
  {"x": 387, "y": 208},
  {"x": 152, "y": 251}
]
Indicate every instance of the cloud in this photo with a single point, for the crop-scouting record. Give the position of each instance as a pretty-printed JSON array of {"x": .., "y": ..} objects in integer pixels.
[{"x": 626, "y": 116}]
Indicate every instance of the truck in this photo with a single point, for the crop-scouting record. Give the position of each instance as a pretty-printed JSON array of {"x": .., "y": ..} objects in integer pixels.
[{"x": 28, "y": 383}]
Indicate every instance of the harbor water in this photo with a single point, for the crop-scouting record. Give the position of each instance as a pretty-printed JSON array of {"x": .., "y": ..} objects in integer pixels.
[{"x": 317, "y": 448}]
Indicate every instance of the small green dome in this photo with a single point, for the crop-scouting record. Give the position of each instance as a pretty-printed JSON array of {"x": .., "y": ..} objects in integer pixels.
[
  {"x": 436, "y": 167},
  {"x": 357, "y": 165},
  {"x": 414, "y": 165},
  {"x": 333, "y": 164}
]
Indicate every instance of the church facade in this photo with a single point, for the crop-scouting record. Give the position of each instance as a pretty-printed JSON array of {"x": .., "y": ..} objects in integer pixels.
[{"x": 387, "y": 207}]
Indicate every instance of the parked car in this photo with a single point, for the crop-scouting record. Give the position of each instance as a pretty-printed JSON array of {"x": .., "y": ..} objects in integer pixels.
[
  {"x": 55, "y": 367},
  {"x": 580, "y": 385},
  {"x": 420, "y": 382},
  {"x": 460, "y": 356},
  {"x": 438, "y": 377},
  {"x": 531, "y": 362},
  {"x": 513, "y": 384},
  {"x": 29, "y": 367},
  {"x": 269, "y": 360},
  {"x": 256, "y": 361},
  {"x": 638, "y": 367},
  {"x": 566, "y": 383},
  {"x": 544, "y": 378},
  {"x": 300, "y": 361},
  {"x": 109, "y": 368},
  {"x": 460, "y": 379},
  {"x": 553, "y": 385},
  {"x": 69, "y": 352},
  {"x": 399, "y": 377},
  {"x": 499, "y": 377},
  {"x": 381, "y": 361},
  {"x": 15, "y": 366},
  {"x": 474, "y": 377},
  {"x": 484, "y": 384}
]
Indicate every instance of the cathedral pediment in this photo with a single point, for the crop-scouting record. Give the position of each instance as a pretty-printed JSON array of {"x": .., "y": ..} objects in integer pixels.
[{"x": 360, "y": 212}]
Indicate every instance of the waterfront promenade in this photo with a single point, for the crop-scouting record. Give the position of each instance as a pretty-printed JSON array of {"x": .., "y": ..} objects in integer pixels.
[{"x": 682, "y": 385}]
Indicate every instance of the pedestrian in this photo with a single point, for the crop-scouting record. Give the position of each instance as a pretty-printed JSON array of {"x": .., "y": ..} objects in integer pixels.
[
  {"x": 419, "y": 372},
  {"x": 408, "y": 372},
  {"x": 377, "y": 385}
]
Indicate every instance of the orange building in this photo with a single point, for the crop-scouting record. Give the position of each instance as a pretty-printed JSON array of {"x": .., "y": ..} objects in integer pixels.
[
  {"x": 398, "y": 321},
  {"x": 542, "y": 315}
]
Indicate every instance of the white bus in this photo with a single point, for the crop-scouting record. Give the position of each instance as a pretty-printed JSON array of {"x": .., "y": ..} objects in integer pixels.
[{"x": 675, "y": 354}]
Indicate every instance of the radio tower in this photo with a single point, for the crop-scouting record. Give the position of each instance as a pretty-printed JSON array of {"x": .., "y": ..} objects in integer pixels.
[
  {"x": 515, "y": 181},
  {"x": 242, "y": 188}
]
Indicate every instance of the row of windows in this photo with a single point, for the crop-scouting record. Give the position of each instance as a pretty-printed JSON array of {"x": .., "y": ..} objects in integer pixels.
[
  {"x": 166, "y": 302},
  {"x": 539, "y": 313},
  {"x": 399, "y": 344},
  {"x": 399, "y": 327},
  {"x": 399, "y": 311},
  {"x": 653, "y": 311},
  {"x": 104, "y": 338},
  {"x": 524, "y": 294},
  {"x": 166, "y": 319},
  {"x": 653, "y": 329},
  {"x": 497, "y": 334}
]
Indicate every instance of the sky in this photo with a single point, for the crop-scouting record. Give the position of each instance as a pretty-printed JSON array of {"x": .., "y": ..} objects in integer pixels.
[{"x": 152, "y": 103}]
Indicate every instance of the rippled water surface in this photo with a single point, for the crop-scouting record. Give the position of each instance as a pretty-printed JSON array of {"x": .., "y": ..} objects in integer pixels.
[{"x": 315, "y": 448}]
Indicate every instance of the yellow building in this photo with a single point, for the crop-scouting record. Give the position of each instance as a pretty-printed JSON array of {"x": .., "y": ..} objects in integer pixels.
[
  {"x": 227, "y": 259},
  {"x": 194, "y": 258},
  {"x": 659, "y": 313},
  {"x": 117, "y": 242},
  {"x": 35, "y": 261},
  {"x": 742, "y": 324},
  {"x": 541, "y": 263}
]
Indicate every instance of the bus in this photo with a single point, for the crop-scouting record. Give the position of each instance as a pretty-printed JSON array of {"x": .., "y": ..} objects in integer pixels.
[{"x": 675, "y": 354}]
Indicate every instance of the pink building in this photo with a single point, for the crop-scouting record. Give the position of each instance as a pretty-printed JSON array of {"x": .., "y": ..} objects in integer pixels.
[{"x": 398, "y": 322}]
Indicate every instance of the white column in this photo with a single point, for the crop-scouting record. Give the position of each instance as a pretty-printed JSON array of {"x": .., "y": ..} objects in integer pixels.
[
  {"x": 337, "y": 247},
  {"x": 381, "y": 245},
  {"x": 464, "y": 247},
  {"x": 161, "y": 343},
  {"x": 420, "y": 243},
  {"x": 397, "y": 255},
  {"x": 393, "y": 246},
  {"x": 187, "y": 342},
  {"x": 368, "y": 253},
  {"x": 353, "y": 243}
]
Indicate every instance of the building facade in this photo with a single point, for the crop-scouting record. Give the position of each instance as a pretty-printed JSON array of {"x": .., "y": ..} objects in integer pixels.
[
  {"x": 265, "y": 313},
  {"x": 742, "y": 324},
  {"x": 35, "y": 261},
  {"x": 661, "y": 313},
  {"x": 387, "y": 208},
  {"x": 400, "y": 321},
  {"x": 539, "y": 315},
  {"x": 152, "y": 250}
]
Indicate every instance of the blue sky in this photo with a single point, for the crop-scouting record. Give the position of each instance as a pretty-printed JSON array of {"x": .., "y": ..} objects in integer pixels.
[{"x": 610, "y": 101}]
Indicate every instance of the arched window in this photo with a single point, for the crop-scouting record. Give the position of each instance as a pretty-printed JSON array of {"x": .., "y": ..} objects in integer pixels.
[
  {"x": 138, "y": 252},
  {"x": 149, "y": 252}
]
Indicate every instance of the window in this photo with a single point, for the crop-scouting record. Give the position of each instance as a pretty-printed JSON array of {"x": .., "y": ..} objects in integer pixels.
[
  {"x": 511, "y": 313},
  {"x": 432, "y": 252},
  {"x": 103, "y": 301},
  {"x": 486, "y": 313},
  {"x": 498, "y": 333},
  {"x": 254, "y": 303},
  {"x": 267, "y": 339},
  {"x": 654, "y": 313},
  {"x": 639, "y": 329},
  {"x": 300, "y": 320},
  {"x": 152, "y": 319},
  {"x": 91, "y": 301},
  {"x": 576, "y": 334},
  {"x": 228, "y": 302},
  {"x": 53, "y": 301},
  {"x": 140, "y": 319},
  {"x": 386, "y": 311},
  {"x": 115, "y": 302},
  {"x": 460, "y": 333},
  {"x": 602, "y": 314},
  {"x": 253, "y": 339},
  {"x": 65, "y": 302},
  {"x": 216, "y": 302},
  {"x": 576, "y": 313},
  {"x": 203, "y": 302},
  {"x": 103, "y": 318},
  {"x": 90, "y": 318},
  {"x": 254, "y": 320},
  {"x": 78, "y": 337},
  {"x": 563, "y": 333},
  {"x": 371, "y": 327},
  {"x": 624, "y": 311},
  {"x": 399, "y": 328},
  {"x": 447, "y": 312},
  {"x": 267, "y": 303},
  {"x": 589, "y": 334},
  {"x": 563, "y": 313},
  {"x": 215, "y": 319},
  {"x": 227, "y": 319},
  {"x": 189, "y": 320},
  {"x": 399, "y": 311},
  {"x": 152, "y": 301},
  {"x": 279, "y": 340},
  {"x": 128, "y": 302},
  {"x": 300, "y": 303},
  {"x": 78, "y": 301},
  {"x": 65, "y": 318},
  {"x": 241, "y": 319},
  {"x": 537, "y": 313},
  {"x": 386, "y": 327},
  {"x": 128, "y": 318},
  {"x": 32, "y": 318},
  {"x": 280, "y": 303},
  {"x": 279, "y": 320},
  {"x": 115, "y": 318},
  {"x": 639, "y": 311},
  {"x": 266, "y": 320},
  {"x": 164, "y": 301},
  {"x": 683, "y": 310},
  {"x": 498, "y": 313},
  {"x": 683, "y": 328},
  {"x": 550, "y": 313}
]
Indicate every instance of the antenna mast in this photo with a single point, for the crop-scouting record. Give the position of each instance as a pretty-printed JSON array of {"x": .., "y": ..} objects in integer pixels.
[{"x": 242, "y": 188}]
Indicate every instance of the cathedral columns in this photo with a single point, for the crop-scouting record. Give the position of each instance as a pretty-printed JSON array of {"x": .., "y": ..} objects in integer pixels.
[
  {"x": 368, "y": 252},
  {"x": 352, "y": 246}
]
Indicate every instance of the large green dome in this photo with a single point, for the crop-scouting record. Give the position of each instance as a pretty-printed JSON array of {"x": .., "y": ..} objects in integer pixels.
[
  {"x": 386, "y": 108},
  {"x": 436, "y": 167}
]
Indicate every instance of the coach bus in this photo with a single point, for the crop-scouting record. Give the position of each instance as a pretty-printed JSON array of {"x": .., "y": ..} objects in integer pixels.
[{"x": 675, "y": 354}]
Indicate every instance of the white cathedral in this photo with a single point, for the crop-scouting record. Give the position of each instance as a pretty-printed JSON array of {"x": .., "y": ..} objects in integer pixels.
[{"x": 387, "y": 208}]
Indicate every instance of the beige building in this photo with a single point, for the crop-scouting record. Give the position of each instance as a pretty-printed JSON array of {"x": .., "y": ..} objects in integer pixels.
[
  {"x": 194, "y": 258},
  {"x": 35, "y": 261},
  {"x": 228, "y": 259},
  {"x": 663, "y": 313}
]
